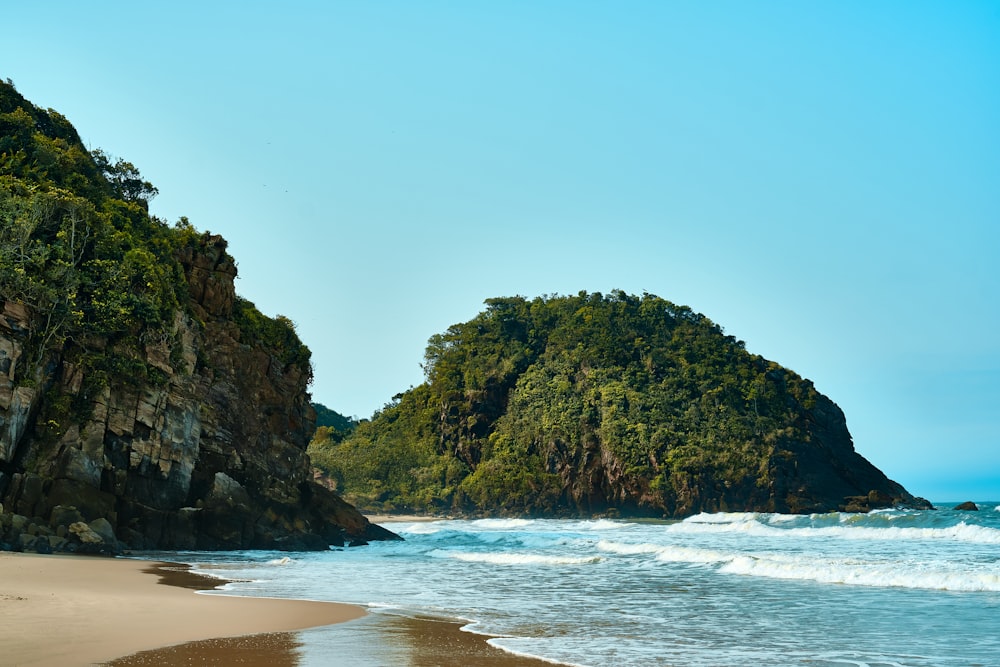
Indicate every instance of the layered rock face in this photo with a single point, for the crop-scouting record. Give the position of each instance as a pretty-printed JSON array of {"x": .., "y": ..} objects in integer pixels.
[
  {"x": 823, "y": 473},
  {"x": 211, "y": 455}
]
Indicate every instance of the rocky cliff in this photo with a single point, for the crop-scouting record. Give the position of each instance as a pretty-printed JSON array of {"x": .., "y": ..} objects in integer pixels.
[
  {"x": 211, "y": 456},
  {"x": 143, "y": 404}
]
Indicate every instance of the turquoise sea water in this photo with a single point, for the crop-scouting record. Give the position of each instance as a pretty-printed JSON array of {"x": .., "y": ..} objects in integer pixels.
[{"x": 890, "y": 588}]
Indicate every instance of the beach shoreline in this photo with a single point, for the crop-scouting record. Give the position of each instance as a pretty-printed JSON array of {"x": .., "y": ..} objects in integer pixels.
[
  {"x": 60, "y": 610},
  {"x": 81, "y": 610}
]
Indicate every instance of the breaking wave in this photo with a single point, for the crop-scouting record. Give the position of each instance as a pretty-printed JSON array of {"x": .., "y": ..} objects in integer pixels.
[
  {"x": 774, "y": 525},
  {"x": 862, "y": 573},
  {"x": 517, "y": 559},
  {"x": 810, "y": 567}
]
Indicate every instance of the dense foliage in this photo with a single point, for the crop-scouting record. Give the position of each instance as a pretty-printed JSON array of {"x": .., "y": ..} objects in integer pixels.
[
  {"x": 333, "y": 419},
  {"x": 576, "y": 405},
  {"x": 101, "y": 277},
  {"x": 331, "y": 429}
]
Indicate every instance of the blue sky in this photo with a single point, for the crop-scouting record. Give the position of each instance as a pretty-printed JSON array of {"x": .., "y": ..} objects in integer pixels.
[{"x": 820, "y": 178}]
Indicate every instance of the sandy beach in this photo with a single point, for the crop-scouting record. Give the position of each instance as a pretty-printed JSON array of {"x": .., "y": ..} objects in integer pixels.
[
  {"x": 63, "y": 611},
  {"x": 67, "y": 610}
]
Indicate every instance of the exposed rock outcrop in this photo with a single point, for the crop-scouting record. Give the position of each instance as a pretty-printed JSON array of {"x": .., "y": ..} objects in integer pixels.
[
  {"x": 825, "y": 472},
  {"x": 208, "y": 454},
  {"x": 820, "y": 474}
]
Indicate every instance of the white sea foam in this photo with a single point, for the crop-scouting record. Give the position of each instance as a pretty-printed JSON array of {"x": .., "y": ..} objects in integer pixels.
[
  {"x": 504, "y": 644},
  {"x": 625, "y": 584},
  {"x": 420, "y": 528},
  {"x": 930, "y": 576},
  {"x": 502, "y": 524},
  {"x": 603, "y": 524},
  {"x": 212, "y": 573},
  {"x": 241, "y": 585},
  {"x": 629, "y": 549},
  {"x": 691, "y": 555},
  {"x": 666, "y": 553},
  {"x": 382, "y": 606},
  {"x": 509, "y": 558},
  {"x": 280, "y": 561},
  {"x": 861, "y": 573},
  {"x": 722, "y": 517},
  {"x": 961, "y": 532}
]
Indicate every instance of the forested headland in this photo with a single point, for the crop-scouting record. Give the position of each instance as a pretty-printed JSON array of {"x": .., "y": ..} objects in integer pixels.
[{"x": 598, "y": 404}]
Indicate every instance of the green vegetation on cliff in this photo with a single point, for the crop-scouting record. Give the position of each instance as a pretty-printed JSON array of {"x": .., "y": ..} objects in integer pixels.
[
  {"x": 79, "y": 249},
  {"x": 138, "y": 392},
  {"x": 592, "y": 404}
]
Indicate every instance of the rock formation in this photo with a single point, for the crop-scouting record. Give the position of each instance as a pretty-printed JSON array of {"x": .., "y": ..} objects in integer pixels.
[{"x": 210, "y": 454}]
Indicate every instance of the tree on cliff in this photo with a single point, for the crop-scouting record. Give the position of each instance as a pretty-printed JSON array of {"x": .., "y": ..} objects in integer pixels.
[
  {"x": 591, "y": 404},
  {"x": 78, "y": 247},
  {"x": 125, "y": 180},
  {"x": 136, "y": 389}
]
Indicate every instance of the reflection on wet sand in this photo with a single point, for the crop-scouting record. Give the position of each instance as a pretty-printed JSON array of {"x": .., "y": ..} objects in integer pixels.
[
  {"x": 390, "y": 640},
  {"x": 437, "y": 643},
  {"x": 376, "y": 640}
]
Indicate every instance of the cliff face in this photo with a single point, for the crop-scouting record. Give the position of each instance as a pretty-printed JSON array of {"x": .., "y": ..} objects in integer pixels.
[
  {"x": 209, "y": 454},
  {"x": 824, "y": 471},
  {"x": 820, "y": 472}
]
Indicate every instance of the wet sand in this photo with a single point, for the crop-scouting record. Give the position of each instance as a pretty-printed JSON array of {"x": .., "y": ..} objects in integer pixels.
[
  {"x": 67, "y": 610},
  {"x": 391, "y": 641},
  {"x": 376, "y": 640}
]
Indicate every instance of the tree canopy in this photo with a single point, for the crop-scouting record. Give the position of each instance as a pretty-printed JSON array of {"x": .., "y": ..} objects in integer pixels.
[
  {"x": 79, "y": 249},
  {"x": 576, "y": 405}
]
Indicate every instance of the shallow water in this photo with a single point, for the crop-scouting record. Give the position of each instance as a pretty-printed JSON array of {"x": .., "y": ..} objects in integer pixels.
[{"x": 892, "y": 588}]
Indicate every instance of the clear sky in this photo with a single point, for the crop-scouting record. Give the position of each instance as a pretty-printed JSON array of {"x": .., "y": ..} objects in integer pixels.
[{"x": 822, "y": 179}]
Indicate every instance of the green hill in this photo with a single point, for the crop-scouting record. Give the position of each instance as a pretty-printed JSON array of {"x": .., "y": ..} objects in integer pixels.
[{"x": 594, "y": 404}]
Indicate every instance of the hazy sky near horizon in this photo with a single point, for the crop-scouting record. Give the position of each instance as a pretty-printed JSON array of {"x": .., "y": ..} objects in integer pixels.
[{"x": 822, "y": 179}]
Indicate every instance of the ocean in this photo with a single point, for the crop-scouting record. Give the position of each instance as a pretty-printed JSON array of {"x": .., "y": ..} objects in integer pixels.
[{"x": 888, "y": 589}]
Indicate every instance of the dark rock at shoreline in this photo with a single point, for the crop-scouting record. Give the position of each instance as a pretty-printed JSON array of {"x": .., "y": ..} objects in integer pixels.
[{"x": 967, "y": 506}]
